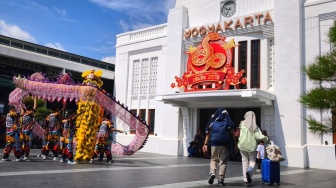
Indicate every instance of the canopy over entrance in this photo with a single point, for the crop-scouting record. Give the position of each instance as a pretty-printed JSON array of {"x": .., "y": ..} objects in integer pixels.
[{"x": 219, "y": 98}]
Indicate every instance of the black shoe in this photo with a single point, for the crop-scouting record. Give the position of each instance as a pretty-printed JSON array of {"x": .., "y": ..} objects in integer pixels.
[
  {"x": 248, "y": 177},
  {"x": 211, "y": 178},
  {"x": 221, "y": 182}
]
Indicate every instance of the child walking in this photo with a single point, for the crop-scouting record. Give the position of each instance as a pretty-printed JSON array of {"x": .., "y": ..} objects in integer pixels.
[{"x": 260, "y": 154}]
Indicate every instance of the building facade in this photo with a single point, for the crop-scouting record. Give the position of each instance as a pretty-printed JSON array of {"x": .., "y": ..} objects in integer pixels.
[{"x": 273, "y": 40}]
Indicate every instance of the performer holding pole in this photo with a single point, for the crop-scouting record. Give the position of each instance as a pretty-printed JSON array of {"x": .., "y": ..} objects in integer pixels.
[
  {"x": 12, "y": 135},
  {"x": 104, "y": 140},
  {"x": 26, "y": 136}
]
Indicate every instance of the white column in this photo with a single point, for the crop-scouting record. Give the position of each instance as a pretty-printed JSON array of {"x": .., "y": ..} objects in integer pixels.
[
  {"x": 288, "y": 119},
  {"x": 171, "y": 120}
]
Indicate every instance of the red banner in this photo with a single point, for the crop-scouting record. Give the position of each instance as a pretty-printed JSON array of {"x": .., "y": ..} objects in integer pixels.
[{"x": 215, "y": 76}]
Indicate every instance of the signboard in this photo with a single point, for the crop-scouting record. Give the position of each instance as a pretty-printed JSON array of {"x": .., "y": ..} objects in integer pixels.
[{"x": 209, "y": 66}]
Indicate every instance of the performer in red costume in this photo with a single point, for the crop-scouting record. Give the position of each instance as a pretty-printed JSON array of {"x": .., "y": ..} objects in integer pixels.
[
  {"x": 27, "y": 127},
  {"x": 52, "y": 128},
  {"x": 12, "y": 135},
  {"x": 67, "y": 134},
  {"x": 104, "y": 140}
]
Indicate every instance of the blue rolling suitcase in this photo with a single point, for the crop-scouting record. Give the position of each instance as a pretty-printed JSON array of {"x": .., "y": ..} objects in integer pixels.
[{"x": 270, "y": 172}]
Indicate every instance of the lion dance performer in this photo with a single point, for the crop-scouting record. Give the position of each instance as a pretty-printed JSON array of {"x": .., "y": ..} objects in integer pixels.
[
  {"x": 104, "y": 140},
  {"x": 27, "y": 127},
  {"x": 88, "y": 122},
  {"x": 12, "y": 135}
]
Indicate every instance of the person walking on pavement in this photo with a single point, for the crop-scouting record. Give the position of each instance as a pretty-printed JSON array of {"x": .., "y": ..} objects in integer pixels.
[
  {"x": 247, "y": 144},
  {"x": 219, "y": 129}
]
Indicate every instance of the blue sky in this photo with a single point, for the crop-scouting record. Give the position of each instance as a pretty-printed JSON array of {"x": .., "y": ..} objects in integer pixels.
[{"x": 83, "y": 27}]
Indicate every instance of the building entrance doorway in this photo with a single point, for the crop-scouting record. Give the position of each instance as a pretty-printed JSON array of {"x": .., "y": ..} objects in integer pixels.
[{"x": 236, "y": 115}]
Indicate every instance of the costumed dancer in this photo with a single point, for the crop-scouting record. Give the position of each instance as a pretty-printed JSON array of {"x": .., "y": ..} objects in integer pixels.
[
  {"x": 68, "y": 131},
  {"x": 88, "y": 122},
  {"x": 53, "y": 125},
  {"x": 27, "y": 127},
  {"x": 44, "y": 138},
  {"x": 12, "y": 135},
  {"x": 104, "y": 140}
]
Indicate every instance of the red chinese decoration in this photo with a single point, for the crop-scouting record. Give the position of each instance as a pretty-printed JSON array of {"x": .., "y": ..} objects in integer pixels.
[{"x": 209, "y": 66}]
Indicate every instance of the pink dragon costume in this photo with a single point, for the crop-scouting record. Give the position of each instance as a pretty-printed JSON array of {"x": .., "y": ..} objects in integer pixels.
[{"x": 92, "y": 100}]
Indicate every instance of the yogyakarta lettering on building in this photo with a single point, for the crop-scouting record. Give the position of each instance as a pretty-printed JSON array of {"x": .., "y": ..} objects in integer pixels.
[{"x": 229, "y": 25}]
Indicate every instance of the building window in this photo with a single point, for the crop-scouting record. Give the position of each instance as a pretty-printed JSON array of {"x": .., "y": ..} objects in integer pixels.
[
  {"x": 132, "y": 131},
  {"x": 153, "y": 75},
  {"x": 136, "y": 77},
  {"x": 151, "y": 120},
  {"x": 255, "y": 64},
  {"x": 143, "y": 116},
  {"x": 144, "y": 76},
  {"x": 242, "y": 60}
]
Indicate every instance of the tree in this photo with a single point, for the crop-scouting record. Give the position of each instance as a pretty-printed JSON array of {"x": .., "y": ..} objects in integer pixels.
[
  {"x": 322, "y": 98},
  {"x": 41, "y": 111}
]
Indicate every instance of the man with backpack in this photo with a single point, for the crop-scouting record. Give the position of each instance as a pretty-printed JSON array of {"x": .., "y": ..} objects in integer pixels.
[{"x": 219, "y": 130}]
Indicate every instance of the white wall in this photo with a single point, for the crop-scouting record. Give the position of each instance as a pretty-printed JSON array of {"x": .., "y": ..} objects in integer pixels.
[{"x": 299, "y": 35}]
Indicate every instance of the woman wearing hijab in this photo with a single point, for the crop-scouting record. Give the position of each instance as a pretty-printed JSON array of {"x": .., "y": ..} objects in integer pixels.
[{"x": 247, "y": 144}]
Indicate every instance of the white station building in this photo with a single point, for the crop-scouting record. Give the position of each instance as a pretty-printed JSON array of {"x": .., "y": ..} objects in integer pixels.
[{"x": 276, "y": 38}]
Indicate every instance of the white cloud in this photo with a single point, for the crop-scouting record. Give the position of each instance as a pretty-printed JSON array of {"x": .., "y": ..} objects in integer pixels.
[
  {"x": 60, "y": 11},
  {"x": 139, "y": 9},
  {"x": 15, "y": 31},
  {"x": 110, "y": 59},
  {"x": 39, "y": 6},
  {"x": 124, "y": 25},
  {"x": 140, "y": 26},
  {"x": 56, "y": 46}
]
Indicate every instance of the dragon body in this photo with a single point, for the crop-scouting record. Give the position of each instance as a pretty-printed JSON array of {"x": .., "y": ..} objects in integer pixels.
[{"x": 92, "y": 100}]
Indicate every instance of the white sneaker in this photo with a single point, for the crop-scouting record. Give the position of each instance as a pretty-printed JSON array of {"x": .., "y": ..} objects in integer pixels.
[
  {"x": 44, "y": 157},
  {"x": 63, "y": 160},
  {"x": 72, "y": 162},
  {"x": 39, "y": 155},
  {"x": 55, "y": 159},
  {"x": 19, "y": 160},
  {"x": 25, "y": 158},
  {"x": 7, "y": 159},
  {"x": 91, "y": 161},
  {"x": 258, "y": 170}
]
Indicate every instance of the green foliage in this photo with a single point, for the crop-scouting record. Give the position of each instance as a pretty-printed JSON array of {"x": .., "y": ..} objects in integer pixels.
[
  {"x": 323, "y": 96},
  {"x": 42, "y": 113},
  {"x": 30, "y": 101},
  {"x": 332, "y": 34},
  {"x": 324, "y": 69},
  {"x": 319, "y": 98},
  {"x": 317, "y": 127}
]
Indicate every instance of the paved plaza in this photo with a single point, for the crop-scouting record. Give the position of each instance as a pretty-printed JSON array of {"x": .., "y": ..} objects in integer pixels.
[{"x": 144, "y": 170}]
